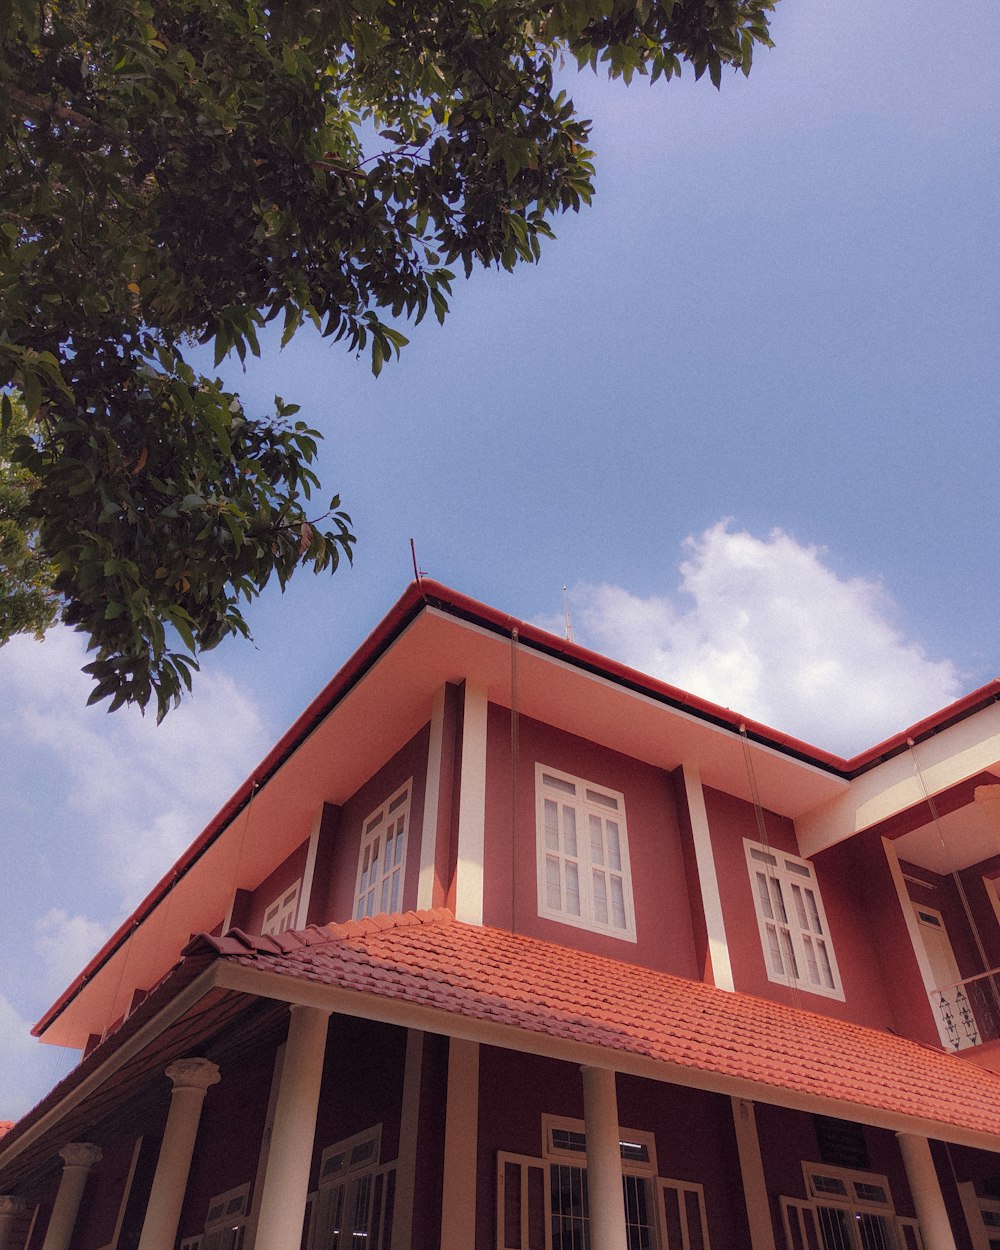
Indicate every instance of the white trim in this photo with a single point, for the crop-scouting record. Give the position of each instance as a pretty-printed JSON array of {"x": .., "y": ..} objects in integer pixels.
[
  {"x": 972, "y": 1208},
  {"x": 126, "y": 1194},
  {"x": 584, "y": 799},
  {"x": 472, "y": 807},
  {"x": 432, "y": 799},
  {"x": 406, "y": 1159},
  {"x": 752, "y": 1173},
  {"x": 265, "y": 1147},
  {"x": 708, "y": 880},
  {"x": 285, "y": 909},
  {"x": 305, "y": 894},
  {"x": 461, "y": 1136},
  {"x": 791, "y": 920}
]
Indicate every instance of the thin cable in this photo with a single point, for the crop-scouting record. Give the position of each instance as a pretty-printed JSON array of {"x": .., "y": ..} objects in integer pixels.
[
  {"x": 514, "y": 750},
  {"x": 754, "y": 792}
]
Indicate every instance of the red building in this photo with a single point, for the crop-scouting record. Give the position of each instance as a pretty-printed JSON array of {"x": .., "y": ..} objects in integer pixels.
[{"x": 507, "y": 946}]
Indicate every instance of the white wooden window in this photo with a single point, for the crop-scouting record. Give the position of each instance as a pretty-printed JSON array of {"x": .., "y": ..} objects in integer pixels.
[
  {"x": 382, "y": 860},
  {"x": 283, "y": 912},
  {"x": 846, "y": 1210},
  {"x": 225, "y": 1223},
  {"x": 353, "y": 1205},
  {"x": 793, "y": 928},
  {"x": 584, "y": 877},
  {"x": 544, "y": 1202}
]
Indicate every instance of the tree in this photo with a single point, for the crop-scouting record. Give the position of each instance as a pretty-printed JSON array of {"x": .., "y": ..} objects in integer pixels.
[{"x": 180, "y": 172}]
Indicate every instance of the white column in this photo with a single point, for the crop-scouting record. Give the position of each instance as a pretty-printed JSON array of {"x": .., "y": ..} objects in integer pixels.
[
  {"x": 461, "y": 1140},
  {"x": 932, "y": 1215},
  {"x": 604, "y": 1160},
  {"x": 286, "y": 1179},
  {"x": 472, "y": 807},
  {"x": 752, "y": 1172},
  {"x": 78, "y": 1158},
  {"x": 432, "y": 798},
  {"x": 191, "y": 1079},
  {"x": 10, "y": 1209}
]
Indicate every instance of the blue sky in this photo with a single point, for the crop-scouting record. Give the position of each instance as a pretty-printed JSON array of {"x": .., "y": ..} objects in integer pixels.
[{"x": 745, "y": 409}]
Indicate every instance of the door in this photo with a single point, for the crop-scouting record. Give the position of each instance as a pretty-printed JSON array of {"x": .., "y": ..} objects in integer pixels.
[{"x": 949, "y": 1000}]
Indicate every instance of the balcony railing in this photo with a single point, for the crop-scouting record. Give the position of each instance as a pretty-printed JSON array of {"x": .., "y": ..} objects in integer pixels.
[{"x": 969, "y": 1010}]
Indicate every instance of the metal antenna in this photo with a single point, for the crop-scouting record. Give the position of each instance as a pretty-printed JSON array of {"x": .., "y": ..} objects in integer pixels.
[
  {"x": 569, "y": 622},
  {"x": 418, "y": 573}
]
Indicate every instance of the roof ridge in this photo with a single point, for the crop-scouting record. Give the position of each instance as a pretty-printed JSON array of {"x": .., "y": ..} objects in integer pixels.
[{"x": 384, "y": 921}]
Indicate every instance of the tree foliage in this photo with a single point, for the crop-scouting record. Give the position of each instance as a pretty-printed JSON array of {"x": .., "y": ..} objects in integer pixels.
[{"x": 182, "y": 172}]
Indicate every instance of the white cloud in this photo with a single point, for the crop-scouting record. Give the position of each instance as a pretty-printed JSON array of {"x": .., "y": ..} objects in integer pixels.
[
  {"x": 144, "y": 790},
  {"x": 765, "y": 627},
  {"x": 25, "y": 1075},
  {"x": 66, "y": 944}
]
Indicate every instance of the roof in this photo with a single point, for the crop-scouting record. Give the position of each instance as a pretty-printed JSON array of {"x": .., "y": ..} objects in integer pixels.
[
  {"x": 425, "y": 593},
  {"x": 485, "y": 974}
]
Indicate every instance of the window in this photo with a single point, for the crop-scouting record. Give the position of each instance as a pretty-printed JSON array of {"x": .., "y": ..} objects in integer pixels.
[
  {"x": 283, "y": 912},
  {"x": 353, "y": 1206},
  {"x": 383, "y": 857},
  {"x": 846, "y": 1210},
  {"x": 793, "y": 928},
  {"x": 583, "y": 867},
  {"x": 545, "y": 1201},
  {"x": 225, "y": 1222}
]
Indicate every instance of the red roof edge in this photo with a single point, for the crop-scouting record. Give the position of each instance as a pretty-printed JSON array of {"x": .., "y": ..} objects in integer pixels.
[{"x": 427, "y": 593}]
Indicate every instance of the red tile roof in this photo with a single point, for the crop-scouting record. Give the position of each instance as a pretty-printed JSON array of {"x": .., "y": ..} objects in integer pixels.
[
  {"x": 5, "y": 1127},
  {"x": 485, "y": 974}
]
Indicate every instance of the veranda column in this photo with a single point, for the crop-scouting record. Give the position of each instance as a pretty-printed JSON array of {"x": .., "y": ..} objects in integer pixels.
[
  {"x": 191, "y": 1079},
  {"x": 10, "y": 1209},
  {"x": 78, "y": 1158},
  {"x": 932, "y": 1215},
  {"x": 604, "y": 1160},
  {"x": 286, "y": 1178}
]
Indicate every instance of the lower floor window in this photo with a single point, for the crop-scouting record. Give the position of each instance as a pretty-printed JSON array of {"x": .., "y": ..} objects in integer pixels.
[
  {"x": 352, "y": 1207},
  {"x": 225, "y": 1222},
  {"x": 545, "y": 1202},
  {"x": 846, "y": 1210}
]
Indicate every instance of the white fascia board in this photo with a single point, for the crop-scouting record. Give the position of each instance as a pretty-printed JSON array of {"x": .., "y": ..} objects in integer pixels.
[{"x": 961, "y": 751}]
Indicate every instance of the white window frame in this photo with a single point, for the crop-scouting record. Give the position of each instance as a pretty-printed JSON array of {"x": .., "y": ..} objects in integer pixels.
[
  {"x": 388, "y": 886},
  {"x": 805, "y": 1223},
  {"x": 282, "y": 913},
  {"x": 231, "y": 1208},
  {"x": 802, "y": 934},
  {"x": 348, "y": 1177},
  {"x": 587, "y": 799}
]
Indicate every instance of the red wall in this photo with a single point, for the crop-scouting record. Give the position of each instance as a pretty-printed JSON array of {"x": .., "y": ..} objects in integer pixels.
[
  {"x": 664, "y": 933},
  {"x": 337, "y": 857}
]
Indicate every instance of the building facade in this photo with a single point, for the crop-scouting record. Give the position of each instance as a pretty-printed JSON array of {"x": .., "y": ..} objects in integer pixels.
[{"x": 507, "y": 946}]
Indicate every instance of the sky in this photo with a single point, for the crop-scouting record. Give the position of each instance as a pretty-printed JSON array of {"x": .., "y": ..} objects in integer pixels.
[{"x": 744, "y": 410}]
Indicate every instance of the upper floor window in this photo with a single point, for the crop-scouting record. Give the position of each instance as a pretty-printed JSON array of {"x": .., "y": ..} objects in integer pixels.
[
  {"x": 793, "y": 927},
  {"x": 283, "y": 912},
  {"x": 382, "y": 858},
  {"x": 583, "y": 868}
]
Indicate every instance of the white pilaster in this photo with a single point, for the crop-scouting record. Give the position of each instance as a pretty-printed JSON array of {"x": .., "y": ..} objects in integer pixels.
[
  {"x": 708, "y": 880},
  {"x": 752, "y": 1172},
  {"x": 409, "y": 1122},
  {"x": 10, "y": 1209},
  {"x": 472, "y": 807},
  {"x": 191, "y": 1079},
  {"x": 286, "y": 1179},
  {"x": 432, "y": 797},
  {"x": 461, "y": 1137},
  {"x": 932, "y": 1215},
  {"x": 604, "y": 1160},
  {"x": 78, "y": 1158}
]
